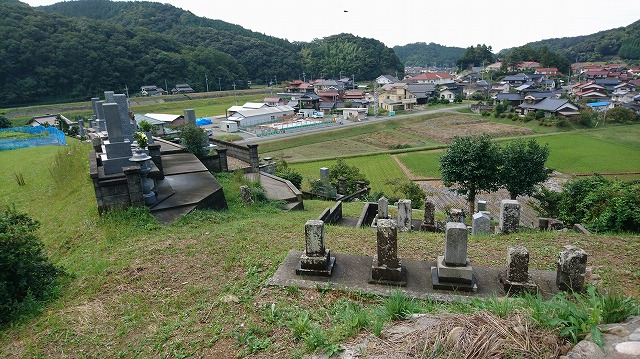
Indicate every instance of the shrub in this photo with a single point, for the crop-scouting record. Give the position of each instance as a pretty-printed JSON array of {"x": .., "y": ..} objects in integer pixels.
[
  {"x": 26, "y": 275},
  {"x": 284, "y": 171},
  {"x": 194, "y": 139},
  {"x": 408, "y": 190},
  {"x": 350, "y": 173}
]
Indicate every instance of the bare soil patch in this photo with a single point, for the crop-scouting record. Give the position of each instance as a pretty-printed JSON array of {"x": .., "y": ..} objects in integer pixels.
[
  {"x": 385, "y": 140},
  {"x": 444, "y": 129}
]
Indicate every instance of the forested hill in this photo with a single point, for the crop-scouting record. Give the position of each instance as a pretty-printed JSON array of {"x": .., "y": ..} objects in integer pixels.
[
  {"x": 623, "y": 43},
  {"x": 77, "y": 49},
  {"x": 423, "y": 54}
]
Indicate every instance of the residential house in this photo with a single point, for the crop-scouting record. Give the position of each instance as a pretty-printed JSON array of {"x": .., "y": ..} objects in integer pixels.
[
  {"x": 352, "y": 113},
  {"x": 351, "y": 95},
  {"x": 518, "y": 79},
  {"x": 514, "y": 99},
  {"x": 299, "y": 87},
  {"x": 328, "y": 85},
  {"x": 182, "y": 88},
  {"x": 548, "y": 71},
  {"x": 480, "y": 87},
  {"x": 386, "y": 79},
  {"x": 494, "y": 66},
  {"x": 275, "y": 101},
  {"x": 608, "y": 83},
  {"x": 252, "y": 117},
  {"x": 158, "y": 126},
  {"x": 623, "y": 96},
  {"x": 152, "y": 91},
  {"x": 166, "y": 119},
  {"x": 49, "y": 120},
  {"x": 550, "y": 106},
  {"x": 436, "y": 78},
  {"x": 422, "y": 92},
  {"x": 247, "y": 106},
  {"x": 449, "y": 91},
  {"x": 527, "y": 65},
  {"x": 395, "y": 97},
  {"x": 310, "y": 101}
]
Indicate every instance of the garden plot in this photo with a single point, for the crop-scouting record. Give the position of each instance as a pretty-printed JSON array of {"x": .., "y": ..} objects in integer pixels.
[
  {"x": 444, "y": 129},
  {"x": 387, "y": 140}
]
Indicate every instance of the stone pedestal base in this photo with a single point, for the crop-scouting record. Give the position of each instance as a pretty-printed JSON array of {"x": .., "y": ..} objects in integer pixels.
[
  {"x": 388, "y": 276},
  {"x": 428, "y": 227},
  {"x": 518, "y": 287},
  {"x": 453, "y": 278},
  {"x": 317, "y": 266}
]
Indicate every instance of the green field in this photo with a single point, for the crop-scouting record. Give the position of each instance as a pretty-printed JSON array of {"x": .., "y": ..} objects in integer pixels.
[{"x": 377, "y": 168}]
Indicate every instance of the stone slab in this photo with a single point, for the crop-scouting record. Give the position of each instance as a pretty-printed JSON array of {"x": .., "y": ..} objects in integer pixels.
[
  {"x": 455, "y": 274},
  {"x": 179, "y": 163},
  {"x": 352, "y": 273},
  {"x": 189, "y": 189},
  {"x": 388, "y": 276},
  {"x": 438, "y": 283},
  {"x": 118, "y": 149},
  {"x": 316, "y": 271}
]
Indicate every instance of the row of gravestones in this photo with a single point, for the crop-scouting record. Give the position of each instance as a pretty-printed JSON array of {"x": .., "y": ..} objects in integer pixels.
[
  {"x": 452, "y": 271},
  {"x": 480, "y": 224}
]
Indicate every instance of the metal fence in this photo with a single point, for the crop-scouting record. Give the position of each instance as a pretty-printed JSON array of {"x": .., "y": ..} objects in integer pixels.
[{"x": 47, "y": 136}]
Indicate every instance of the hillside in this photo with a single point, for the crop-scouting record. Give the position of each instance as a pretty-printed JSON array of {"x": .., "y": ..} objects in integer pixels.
[
  {"x": 623, "y": 42},
  {"x": 431, "y": 54},
  {"x": 75, "y": 50}
]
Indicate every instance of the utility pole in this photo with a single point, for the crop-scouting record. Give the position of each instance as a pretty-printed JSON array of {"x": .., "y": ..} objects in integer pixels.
[
  {"x": 353, "y": 81},
  {"x": 126, "y": 90},
  {"x": 219, "y": 85},
  {"x": 206, "y": 78},
  {"x": 304, "y": 77},
  {"x": 234, "y": 93},
  {"x": 375, "y": 99},
  {"x": 166, "y": 88}
]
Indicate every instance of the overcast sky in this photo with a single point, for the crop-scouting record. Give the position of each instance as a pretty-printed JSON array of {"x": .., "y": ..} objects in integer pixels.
[{"x": 463, "y": 23}]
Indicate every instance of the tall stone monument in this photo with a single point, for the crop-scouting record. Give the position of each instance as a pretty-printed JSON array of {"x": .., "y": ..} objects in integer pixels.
[
  {"x": 404, "y": 215},
  {"x": 509, "y": 216},
  {"x": 117, "y": 150},
  {"x": 429, "y": 221}
]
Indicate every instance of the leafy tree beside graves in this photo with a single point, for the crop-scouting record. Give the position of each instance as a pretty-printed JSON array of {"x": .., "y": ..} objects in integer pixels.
[
  {"x": 523, "y": 166},
  {"x": 350, "y": 173},
  {"x": 26, "y": 274},
  {"x": 194, "y": 139},
  {"x": 471, "y": 163}
]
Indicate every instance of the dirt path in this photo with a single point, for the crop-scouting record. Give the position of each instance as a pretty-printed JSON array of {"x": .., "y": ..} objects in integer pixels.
[{"x": 405, "y": 169}]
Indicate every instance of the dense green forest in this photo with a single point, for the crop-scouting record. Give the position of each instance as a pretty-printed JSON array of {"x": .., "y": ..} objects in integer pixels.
[
  {"x": 431, "y": 54},
  {"x": 75, "y": 50},
  {"x": 623, "y": 43}
]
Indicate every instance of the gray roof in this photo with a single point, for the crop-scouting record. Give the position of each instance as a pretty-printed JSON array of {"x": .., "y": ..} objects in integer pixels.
[
  {"x": 518, "y": 77},
  {"x": 421, "y": 90},
  {"x": 508, "y": 96},
  {"x": 391, "y": 78},
  {"x": 538, "y": 95},
  {"x": 548, "y": 104}
]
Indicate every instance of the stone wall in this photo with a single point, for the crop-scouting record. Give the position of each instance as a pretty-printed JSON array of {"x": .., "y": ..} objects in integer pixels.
[
  {"x": 118, "y": 191},
  {"x": 332, "y": 215},
  {"x": 247, "y": 153}
]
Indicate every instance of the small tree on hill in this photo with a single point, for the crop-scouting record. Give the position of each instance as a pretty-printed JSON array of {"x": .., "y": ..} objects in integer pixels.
[
  {"x": 471, "y": 163},
  {"x": 194, "y": 139},
  {"x": 350, "y": 173},
  {"x": 4, "y": 122},
  {"x": 26, "y": 275},
  {"x": 523, "y": 167}
]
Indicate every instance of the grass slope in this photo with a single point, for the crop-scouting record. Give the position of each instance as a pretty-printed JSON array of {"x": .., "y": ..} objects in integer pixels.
[{"x": 197, "y": 287}]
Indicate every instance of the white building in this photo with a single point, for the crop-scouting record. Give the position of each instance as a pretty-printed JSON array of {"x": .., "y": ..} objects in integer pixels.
[{"x": 251, "y": 117}]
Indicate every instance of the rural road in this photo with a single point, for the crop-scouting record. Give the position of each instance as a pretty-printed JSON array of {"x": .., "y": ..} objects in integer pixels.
[{"x": 253, "y": 140}]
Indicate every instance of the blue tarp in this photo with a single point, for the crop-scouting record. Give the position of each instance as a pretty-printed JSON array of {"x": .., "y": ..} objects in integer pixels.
[
  {"x": 55, "y": 137},
  {"x": 203, "y": 121},
  {"x": 599, "y": 104}
]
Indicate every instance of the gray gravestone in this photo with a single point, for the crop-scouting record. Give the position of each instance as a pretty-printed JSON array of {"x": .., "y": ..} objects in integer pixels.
[
  {"x": 429, "y": 221},
  {"x": 509, "y": 216},
  {"x": 480, "y": 223},
  {"x": 572, "y": 267},
  {"x": 117, "y": 150},
  {"x": 190, "y": 116},
  {"x": 108, "y": 97},
  {"x": 324, "y": 173},
  {"x": 455, "y": 215},
  {"x": 94, "y": 106},
  {"x": 404, "y": 215},
  {"x": 455, "y": 246},
  {"x": 453, "y": 271},
  {"x": 125, "y": 119},
  {"x": 383, "y": 208},
  {"x": 517, "y": 264},
  {"x": 386, "y": 267},
  {"x": 482, "y": 206},
  {"x": 100, "y": 121},
  {"x": 518, "y": 279},
  {"x": 81, "y": 130},
  {"x": 315, "y": 260}
]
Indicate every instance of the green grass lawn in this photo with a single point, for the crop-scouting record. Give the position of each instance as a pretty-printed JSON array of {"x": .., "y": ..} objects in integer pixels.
[{"x": 422, "y": 164}]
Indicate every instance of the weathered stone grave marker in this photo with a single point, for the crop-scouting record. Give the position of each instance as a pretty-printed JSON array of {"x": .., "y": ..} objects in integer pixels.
[
  {"x": 518, "y": 278},
  {"x": 480, "y": 223},
  {"x": 456, "y": 215},
  {"x": 572, "y": 267},
  {"x": 429, "y": 221},
  {"x": 316, "y": 259},
  {"x": 509, "y": 216},
  {"x": 386, "y": 267},
  {"x": 404, "y": 215}
]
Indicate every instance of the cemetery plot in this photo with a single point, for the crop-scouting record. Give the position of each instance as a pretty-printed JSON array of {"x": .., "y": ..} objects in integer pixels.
[{"x": 444, "y": 129}]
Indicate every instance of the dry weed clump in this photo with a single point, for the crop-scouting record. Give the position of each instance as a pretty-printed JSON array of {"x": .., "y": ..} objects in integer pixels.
[{"x": 477, "y": 335}]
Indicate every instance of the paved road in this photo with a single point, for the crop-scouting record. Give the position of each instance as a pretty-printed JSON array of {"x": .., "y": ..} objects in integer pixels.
[{"x": 252, "y": 140}]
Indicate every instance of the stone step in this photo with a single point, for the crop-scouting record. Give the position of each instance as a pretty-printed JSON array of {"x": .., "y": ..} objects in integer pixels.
[{"x": 293, "y": 206}]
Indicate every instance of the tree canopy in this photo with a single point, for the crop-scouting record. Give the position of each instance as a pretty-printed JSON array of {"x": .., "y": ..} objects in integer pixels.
[
  {"x": 523, "y": 166},
  {"x": 476, "y": 56},
  {"x": 471, "y": 164}
]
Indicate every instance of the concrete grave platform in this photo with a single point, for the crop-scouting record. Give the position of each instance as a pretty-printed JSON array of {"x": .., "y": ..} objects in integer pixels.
[{"x": 352, "y": 273}]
